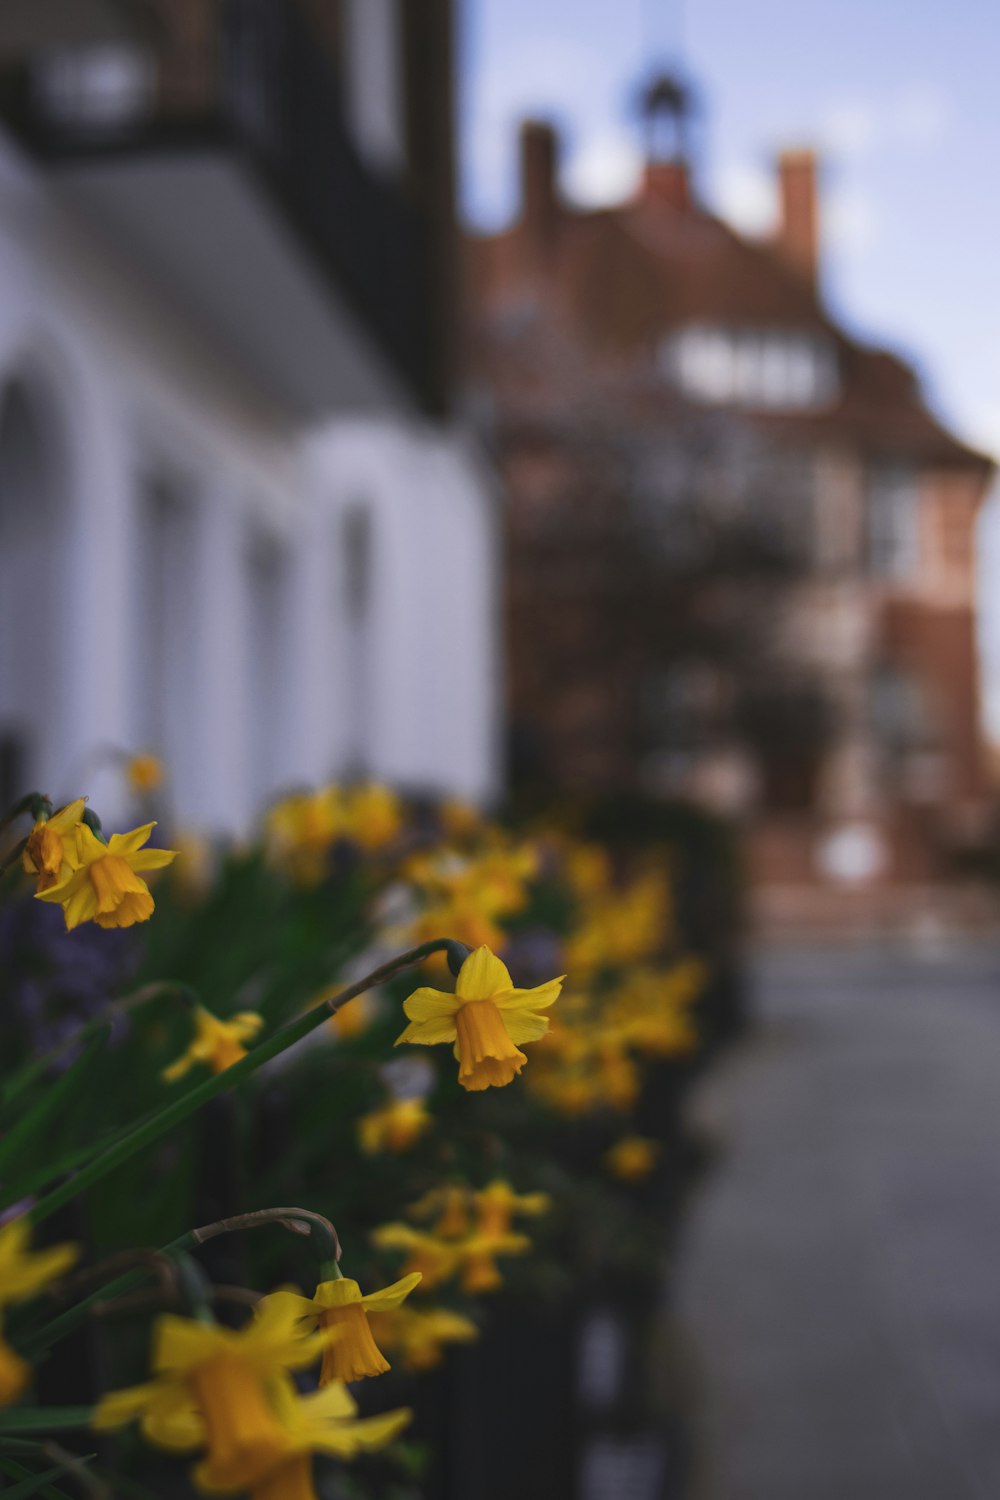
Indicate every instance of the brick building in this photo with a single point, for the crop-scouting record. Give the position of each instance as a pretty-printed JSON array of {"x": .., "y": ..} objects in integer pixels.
[{"x": 740, "y": 546}]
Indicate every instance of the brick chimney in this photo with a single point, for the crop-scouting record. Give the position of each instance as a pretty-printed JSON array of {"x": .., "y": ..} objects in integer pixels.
[
  {"x": 798, "y": 222},
  {"x": 668, "y": 182},
  {"x": 539, "y": 182}
]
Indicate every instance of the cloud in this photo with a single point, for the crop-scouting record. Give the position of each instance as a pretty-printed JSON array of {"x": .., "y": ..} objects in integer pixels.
[
  {"x": 746, "y": 196},
  {"x": 850, "y": 220},
  {"x": 920, "y": 116},
  {"x": 982, "y": 425},
  {"x": 604, "y": 170},
  {"x": 913, "y": 117},
  {"x": 850, "y": 128}
]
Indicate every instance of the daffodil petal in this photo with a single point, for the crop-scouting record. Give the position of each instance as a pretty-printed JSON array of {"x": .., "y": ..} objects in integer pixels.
[
  {"x": 331, "y": 1402},
  {"x": 391, "y": 1296},
  {"x": 540, "y": 998},
  {"x": 173, "y": 1421},
  {"x": 81, "y": 906},
  {"x": 57, "y": 893},
  {"x": 292, "y": 1305},
  {"x": 482, "y": 976},
  {"x": 179, "y": 1343},
  {"x": 151, "y": 859},
  {"x": 69, "y": 816},
  {"x": 117, "y": 1408},
  {"x": 128, "y": 843},
  {"x": 358, "y": 1436},
  {"x": 429, "y": 1033},
  {"x": 524, "y": 1026},
  {"x": 429, "y": 1005}
]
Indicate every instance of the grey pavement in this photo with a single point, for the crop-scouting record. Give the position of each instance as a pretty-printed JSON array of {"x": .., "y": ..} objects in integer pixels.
[{"x": 838, "y": 1281}]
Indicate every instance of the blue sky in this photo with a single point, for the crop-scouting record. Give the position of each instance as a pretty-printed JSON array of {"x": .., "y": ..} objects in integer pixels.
[{"x": 900, "y": 97}]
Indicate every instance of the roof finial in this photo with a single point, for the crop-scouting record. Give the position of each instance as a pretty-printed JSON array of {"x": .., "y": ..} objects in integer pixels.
[{"x": 667, "y": 106}]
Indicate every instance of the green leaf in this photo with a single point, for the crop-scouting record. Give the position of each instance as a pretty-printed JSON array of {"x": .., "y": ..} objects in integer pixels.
[
  {"x": 52, "y": 1101},
  {"x": 18, "y": 1419}
]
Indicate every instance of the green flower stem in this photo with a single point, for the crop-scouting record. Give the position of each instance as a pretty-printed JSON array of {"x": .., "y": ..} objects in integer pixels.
[{"x": 137, "y": 1140}]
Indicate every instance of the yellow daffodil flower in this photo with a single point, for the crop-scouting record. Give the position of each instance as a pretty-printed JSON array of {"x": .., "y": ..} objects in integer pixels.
[
  {"x": 473, "y": 1257},
  {"x": 24, "y": 1272},
  {"x": 324, "y": 1422},
  {"x": 420, "y": 1334},
  {"x": 339, "y": 1306},
  {"x": 451, "y": 1203},
  {"x": 460, "y": 820},
  {"x": 477, "y": 1259},
  {"x": 301, "y": 829},
  {"x": 588, "y": 868},
  {"x": 274, "y": 1464},
  {"x": 215, "y": 1385},
  {"x": 633, "y": 1158},
  {"x": 216, "y": 1043},
  {"x": 144, "y": 773},
  {"x": 466, "y": 894},
  {"x": 107, "y": 887},
  {"x": 618, "y": 1073},
  {"x": 486, "y": 1018},
  {"x": 193, "y": 870},
  {"x": 497, "y": 1204},
  {"x": 52, "y": 851},
  {"x": 651, "y": 1010},
  {"x": 433, "y": 1258},
  {"x": 373, "y": 817},
  {"x": 395, "y": 1127},
  {"x": 622, "y": 927}
]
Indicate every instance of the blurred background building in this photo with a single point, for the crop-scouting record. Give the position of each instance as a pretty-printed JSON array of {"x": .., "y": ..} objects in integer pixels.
[
  {"x": 239, "y": 526},
  {"x": 740, "y": 546}
]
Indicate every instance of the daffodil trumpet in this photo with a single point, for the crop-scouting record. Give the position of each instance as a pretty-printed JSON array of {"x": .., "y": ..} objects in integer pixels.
[{"x": 341, "y": 1308}]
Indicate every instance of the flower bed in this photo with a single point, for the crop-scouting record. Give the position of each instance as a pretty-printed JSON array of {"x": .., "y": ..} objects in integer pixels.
[{"x": 330, "y": 1109}]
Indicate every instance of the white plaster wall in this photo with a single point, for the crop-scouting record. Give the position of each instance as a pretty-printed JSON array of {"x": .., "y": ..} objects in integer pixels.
[
  {"x": 432, "y": 638},
  {"x": 134, "y": 395}
]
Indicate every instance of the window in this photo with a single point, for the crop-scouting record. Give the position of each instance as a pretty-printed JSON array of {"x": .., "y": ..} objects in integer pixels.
[
  {"x": 101, "y": 86},
  {"x": 374, "y": 82},
  {"x": 899, "y": 710},
  {"x": 893, "y": 535},
  {"x": 765, "y": 368}
]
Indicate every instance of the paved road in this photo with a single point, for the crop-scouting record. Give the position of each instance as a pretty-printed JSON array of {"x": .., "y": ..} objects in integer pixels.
[{"x": 839, "y": 1280}]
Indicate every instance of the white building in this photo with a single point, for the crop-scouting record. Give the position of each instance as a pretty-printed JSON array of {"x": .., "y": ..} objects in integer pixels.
[{"x": 237, "y": 527}]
